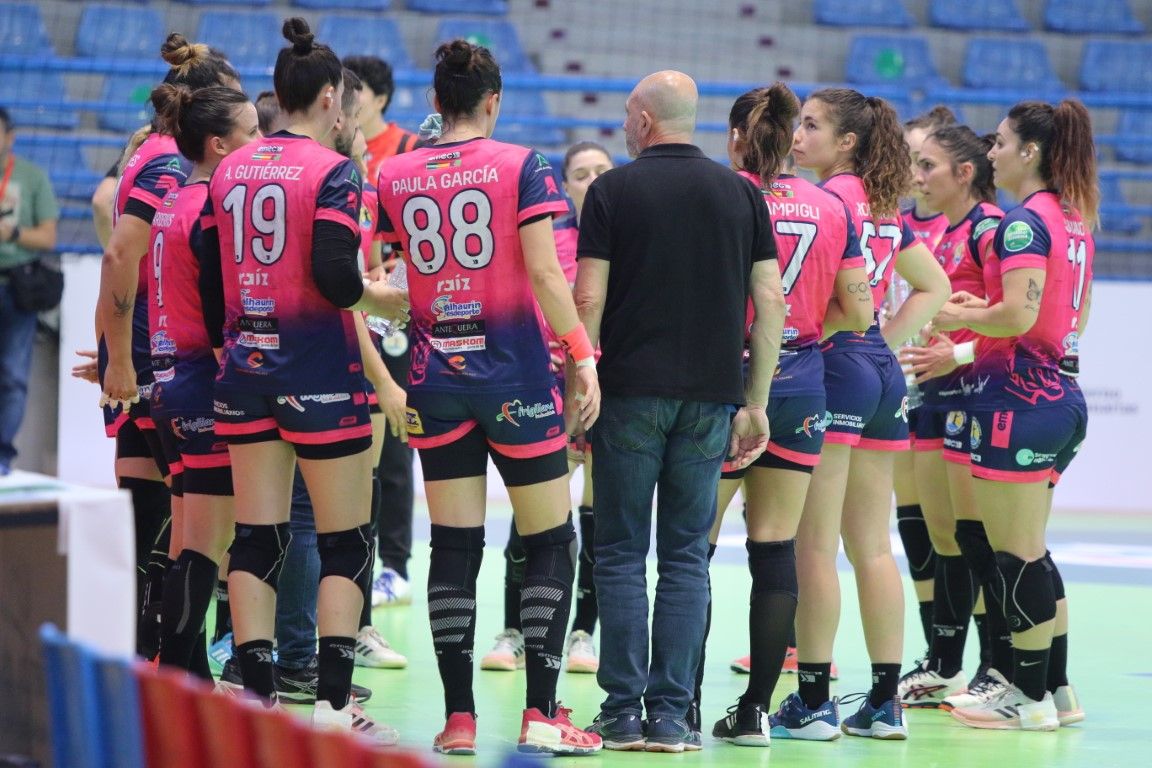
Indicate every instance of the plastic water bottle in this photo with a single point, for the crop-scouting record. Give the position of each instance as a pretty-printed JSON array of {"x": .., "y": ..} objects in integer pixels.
[
  {"x": 898, "y": 292},
  {"x": 385, "y": 328}
]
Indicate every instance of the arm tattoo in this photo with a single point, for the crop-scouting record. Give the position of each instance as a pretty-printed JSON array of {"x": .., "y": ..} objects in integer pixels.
[
  {"x": 1033, "y": 291},
  {"x": 122, "y": 304},
  {"x": 862, "y": 289}
]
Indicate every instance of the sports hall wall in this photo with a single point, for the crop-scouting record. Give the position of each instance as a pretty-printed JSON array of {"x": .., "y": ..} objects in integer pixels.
[{"x": 76, "y": 75}]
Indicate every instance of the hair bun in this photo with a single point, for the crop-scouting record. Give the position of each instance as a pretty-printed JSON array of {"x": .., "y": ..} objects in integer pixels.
[
  {"x": 456, "y": 54},
  {"x": 297, "y": 32},
  {"x": 177, "y": 51}
]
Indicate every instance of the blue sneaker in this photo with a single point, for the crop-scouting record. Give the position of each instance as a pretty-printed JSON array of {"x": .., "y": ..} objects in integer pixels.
[
  {"x": 795, "y": 721},
  {"x": 623, "y": 732},
  {"x": 669, "y": 734},
  {"x": 219, "y": 653},
  {"x": 883, "y": 722}
]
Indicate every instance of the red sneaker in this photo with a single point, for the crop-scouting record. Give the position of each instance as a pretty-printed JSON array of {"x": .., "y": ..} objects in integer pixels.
[
  {"x": 458, "y": 736},
  {"x": 555, "y": 735},
  {"x": 743, "y": 665}
]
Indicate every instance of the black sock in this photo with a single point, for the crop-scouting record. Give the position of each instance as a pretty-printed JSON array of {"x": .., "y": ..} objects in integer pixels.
[
  {"x": 955, "y": 594},
  {"x": 792, "y": 637},
  {"x": 514, "y": 559},
  {"x": 885, "y": 679},
  {"x": 337, "y": 657},
  {"x": 1058, "y": 663},
  {"x": 982, "y": 632},
  {"x": 1031, "y": 673},
  {"x": 455, "y": 563},
  {"x": 198, "y": 664},
  {"x": 148, "y": 627},
  {"x": 223, "y": 612},
  {"x": 255, "y": 659},
  {"x": 366, "y": 578},
  {"x": 586, "y": 613},
  {"x": 545, "y": 602},
  {"x": 926, "y": 618},
  {"x": 151, "y": 506},
  {"x": 973, "y": 540},
  {"x": 696, "y": 692},
  {"x": 187, "y": 595},
  {"x": 813, "y": 688},
  {"x": 920, "y": 553},
  {"x": 771, "y": 614}
]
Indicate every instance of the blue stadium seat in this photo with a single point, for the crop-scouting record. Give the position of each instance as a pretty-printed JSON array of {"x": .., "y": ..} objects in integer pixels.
[
  {"x": 249, "y": 38},
  {"x": 1135, "y": 124},
  {"x": 126, "y": 99},
  {"x": 227, "y": 2},
  {"x": 518, "y": 108},
  {"x": 1116, "y": 215},
  {"x": 63, "y": 161},
  {"x": 1116, "y": 66},
  {"x": 495, "y": 7},
  {"x": 22, "y": 31},
  {"x": 862, "y": 13},
  {"x": 120, "y": 31},
  {"x": 977, "y": 15},
  {"x": 882, "y": 60},
  {"x": 352, "y": 5},
  {"x": 1077, "y": 17},
  {"x": 71, "y": 684},
  {"x": 34, "y": 97},
  {"x": 500, "y": 37},
  {"x": 350, "y": 34},
  {"x": 1010, "y": 64}
]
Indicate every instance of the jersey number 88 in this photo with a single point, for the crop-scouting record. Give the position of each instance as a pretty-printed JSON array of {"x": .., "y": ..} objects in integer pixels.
[{"x": 470, "y": 217}]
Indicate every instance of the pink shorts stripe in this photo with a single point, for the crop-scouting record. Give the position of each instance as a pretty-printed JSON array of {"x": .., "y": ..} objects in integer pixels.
[
  {"x": 176, "y": 468},
  {"x": 928, "y": 444},
  {"x": 438, "y": 441},
  {"x": 144, "y": 422},
  {"x": 1000, "y": 475},
  {"x": 1055, "y": 477},
  {"x": 211, "y": 461},
  {"x": 532, "y": 450},
  {"x": 796, "y": 457},
  {"x": 328, "y": 435},
  {"x": 842, "y": 438},
  {"x": 113, "y": 429},
  {"x": 872, "y": 444},
  {"x": 956, "y": 457},
  {"x": 266, "y": 424}
]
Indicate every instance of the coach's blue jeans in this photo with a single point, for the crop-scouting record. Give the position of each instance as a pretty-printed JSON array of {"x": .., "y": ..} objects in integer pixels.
[
  {"x": 641, "y": 443},
  {"x": 17, "y": 337},
  {"x": 299, "y": 585}
]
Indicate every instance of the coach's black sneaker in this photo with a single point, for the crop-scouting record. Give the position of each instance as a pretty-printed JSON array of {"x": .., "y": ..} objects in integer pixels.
[{"x": 298, "y": 686}]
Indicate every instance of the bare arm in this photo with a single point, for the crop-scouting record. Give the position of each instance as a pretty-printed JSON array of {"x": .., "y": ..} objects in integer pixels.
[
  {"x": 1016, "y": 314},
  {"x": 102, "y": 201},
  {"x": 390, "y": 395},
  {"x": 114, "y": 303},
  {"x": 41, "y": 237},
  {"x": 750, "y": 429},
  {"x": 930, "y": 289},
  {"x": 851, "y": 307}
]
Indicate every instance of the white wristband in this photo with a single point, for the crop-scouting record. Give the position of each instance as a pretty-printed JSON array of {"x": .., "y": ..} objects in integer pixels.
[
  {"x": 964, "y": 353},
  {"x": 587, "y": 362}
]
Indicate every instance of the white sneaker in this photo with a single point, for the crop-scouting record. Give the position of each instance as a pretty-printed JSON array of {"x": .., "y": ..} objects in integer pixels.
[
  {"x": 372, "y": 650},
  {"x": 1068, "y": 708},
  {"x": 582, "y": 653},
  {"x": 508, "y": 653},
  {"x": 390, "y": 588},
  {"x": 926, "y": 688},
  {"x": 352, "y": 718},
  {"x": 983, "y": 687},
  {"x": 1011, "y": 710}
]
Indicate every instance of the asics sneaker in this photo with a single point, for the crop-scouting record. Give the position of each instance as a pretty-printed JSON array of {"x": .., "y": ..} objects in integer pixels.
[
  {"x": 372, "y": 650},
  {"x": 791, "y": 665},
  {"x": 1068, "y": 709},
  {"x": 508, "y": 653},
  {"x": 623, "y": 732},
  {"x": 298, "y": 686},
  {"x": 458, "y": 736},
  {"x": 796, "y": 721},
  {"x": 1011, "y": 710},
  {"x": 390, "y": 588},
  {"x": 231, "y": 681},
  {"x": 925, "y": 688},
  {"x": 982, "y": 688},
  {"x": 353, "y": 718},
  {"x": 555, "y": 735},
  {"x": 747, "y": 725},
  {"x": 669, "y": 734},
  {"x": 883, "y": 722},
  {"x": 582, "y": 653}
]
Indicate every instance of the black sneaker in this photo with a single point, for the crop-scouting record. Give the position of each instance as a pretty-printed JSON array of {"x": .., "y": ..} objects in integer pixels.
[
  {"x": 745, "y": 726},
  {"x": 230, "y": 679},
  {"x": 298, "y": 686},
  {"x": 669, "y": 734},
  {"x": 693, "y": 716},
  {"x": 623, "y": 731}
]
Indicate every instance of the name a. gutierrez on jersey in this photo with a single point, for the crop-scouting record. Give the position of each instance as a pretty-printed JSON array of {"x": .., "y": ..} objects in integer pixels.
[
  {"x": 263, "y": 173},
  {"x": 446, "y": 180}
]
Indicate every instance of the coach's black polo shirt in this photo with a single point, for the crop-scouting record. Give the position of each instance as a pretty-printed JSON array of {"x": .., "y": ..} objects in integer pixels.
[{"x": 681, "y": 232}]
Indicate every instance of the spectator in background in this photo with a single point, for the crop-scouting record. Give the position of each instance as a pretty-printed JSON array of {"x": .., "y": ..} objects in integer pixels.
[
  {"x": 28, "y": 214},
  {"x": 384, "y": 139},
  {"x": 671, "y": 247}
]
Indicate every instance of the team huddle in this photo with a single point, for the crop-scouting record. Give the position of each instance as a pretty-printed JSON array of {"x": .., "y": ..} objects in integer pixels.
[{"x": 251, "y": 241}]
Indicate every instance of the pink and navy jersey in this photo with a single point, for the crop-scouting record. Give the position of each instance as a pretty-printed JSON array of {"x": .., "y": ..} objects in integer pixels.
[
  {"x": 928, "y": 229},
  {"x": 456, "y": 211},
  {"x": 176, "y": 329},
  {"x": 882, "y": 238},
  {"x": 566, "y": 234},
  {"x": 369, "y": 209},
  {"x": 281, "y": 335},
  {"x": 962, "y": 251},
  {"x": 1034, "y": 368}
]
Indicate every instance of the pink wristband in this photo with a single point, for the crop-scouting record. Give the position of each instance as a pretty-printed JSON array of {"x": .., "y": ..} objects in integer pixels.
[{"x": 577, "y": 344}]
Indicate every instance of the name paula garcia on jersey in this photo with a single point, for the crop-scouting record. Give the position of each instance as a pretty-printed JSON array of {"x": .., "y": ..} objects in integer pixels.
[{"x": 447, "y": 180}]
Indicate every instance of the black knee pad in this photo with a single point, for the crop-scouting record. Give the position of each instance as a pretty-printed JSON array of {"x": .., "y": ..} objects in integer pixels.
[
  {"x": 1057, "y": 579},
  {"x": 514, "y": 555},
  {"x": 457, "y": 554},
  {"x": 972, "y": 540},
  {"x": 917, "y": 544},
  {"x": 773, "y": 566},
  {"x": 345, "y": 553},
  {"x": 549, "y": 553},
  {"x": 1026, "y": 591},
  {"x": 259, "y": 550}
]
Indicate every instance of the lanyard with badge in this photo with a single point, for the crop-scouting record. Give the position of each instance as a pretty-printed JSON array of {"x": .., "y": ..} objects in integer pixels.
[{"x": 4, "y": 185}]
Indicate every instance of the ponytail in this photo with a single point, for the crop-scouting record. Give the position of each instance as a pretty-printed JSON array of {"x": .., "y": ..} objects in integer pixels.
[
  {"x": 1067, "y": 152},
  {"x": 765, "y": 116}
]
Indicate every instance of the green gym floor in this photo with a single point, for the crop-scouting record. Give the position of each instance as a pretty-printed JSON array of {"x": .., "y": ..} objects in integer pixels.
[{"x": 1107, "y": 564}]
